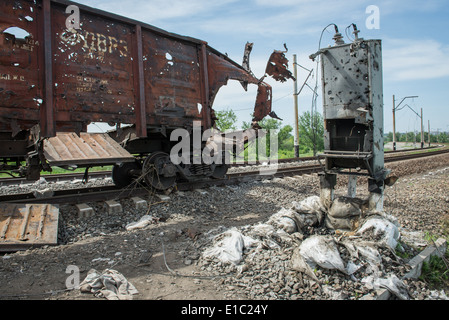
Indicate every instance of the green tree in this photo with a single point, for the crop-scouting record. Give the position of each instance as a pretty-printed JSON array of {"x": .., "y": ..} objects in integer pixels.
[
  {"x": 285, "y": 138},
  {"x": 311, "y": 131},
  {"x": 226, "y": 120},
  {"x": 443, "y": 137},
  {"x": 270, "y": 125},
  {"x": 286, "y": 148},
  {"x": 409, "y": 137}
]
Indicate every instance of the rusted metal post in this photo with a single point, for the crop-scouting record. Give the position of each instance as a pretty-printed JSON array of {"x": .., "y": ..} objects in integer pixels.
[
  {"x": 47, "y": 123},
  {"x": 141, "y": 123},
  {"x": 205, "y": 86}
]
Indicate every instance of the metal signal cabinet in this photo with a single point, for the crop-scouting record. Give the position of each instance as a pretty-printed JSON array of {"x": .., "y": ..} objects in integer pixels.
[{"x": 353, "y": 116}]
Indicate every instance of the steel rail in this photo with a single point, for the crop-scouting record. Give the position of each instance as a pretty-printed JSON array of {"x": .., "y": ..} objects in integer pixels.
[
  {"x": 93, "y": 194},
  {"x": 107, "y": 173}
]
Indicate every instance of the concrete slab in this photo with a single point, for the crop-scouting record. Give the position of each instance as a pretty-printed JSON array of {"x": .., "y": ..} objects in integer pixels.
[
  {"x": 139, "y": 203},
  {"x": 84, "y": 210},
  {"x": 439, "y": 248},
  {"x": 113, "y": 207},
  {"x": 416, "y": 263}
]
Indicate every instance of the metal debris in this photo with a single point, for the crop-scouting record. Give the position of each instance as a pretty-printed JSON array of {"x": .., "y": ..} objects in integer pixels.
[{"x": 28, "y": 225}]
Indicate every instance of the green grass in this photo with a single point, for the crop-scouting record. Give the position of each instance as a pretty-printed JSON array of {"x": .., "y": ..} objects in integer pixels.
[
  {"x": 435, "y": 272},
  {"x": 57, "y": 170}
]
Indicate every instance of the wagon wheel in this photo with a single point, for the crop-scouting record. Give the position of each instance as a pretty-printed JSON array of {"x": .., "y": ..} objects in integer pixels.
[
  {"x": 159, "y": 171},
  {"x": 122, "y": 174},
  {"x": 220, "y": 171}
]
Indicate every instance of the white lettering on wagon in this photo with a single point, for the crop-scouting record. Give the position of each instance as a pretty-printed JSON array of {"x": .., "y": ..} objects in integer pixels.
[{"x": 94, "y": 43}]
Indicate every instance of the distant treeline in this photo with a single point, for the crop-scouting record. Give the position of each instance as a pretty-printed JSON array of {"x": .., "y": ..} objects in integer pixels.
[{"x": 441, "y": 137}]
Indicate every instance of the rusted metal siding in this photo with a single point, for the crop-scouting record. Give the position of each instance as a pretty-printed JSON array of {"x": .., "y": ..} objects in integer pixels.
[
  {"x": 93, "y": 69},
  {"x": 172, "y": 80},
  {"x": 20, "y": 81}
]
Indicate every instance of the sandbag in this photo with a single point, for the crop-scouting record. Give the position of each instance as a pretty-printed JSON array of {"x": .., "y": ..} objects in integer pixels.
[
  {"x": 308, "y": 212},
  {"x": 142, "y": 223},
  {"x": 284, "y": 219},
  {"x": 343, "y": 207},
  {"x": 311, "y": 205},
  {"x": 317, "y": 250},
  {"x": 228, "y": 246},
  {"x": 383, "y": 228},
  {"x": 109, "y": 284},
  {"x": 392, "y": 283},
  {"x": 347, "y": 224}
]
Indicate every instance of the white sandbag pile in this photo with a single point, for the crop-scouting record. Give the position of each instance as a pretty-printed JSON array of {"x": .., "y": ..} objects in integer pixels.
[{"x": 356, "y": 253}]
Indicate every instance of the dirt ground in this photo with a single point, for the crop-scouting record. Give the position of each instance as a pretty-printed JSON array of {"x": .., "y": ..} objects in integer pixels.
[{"x": 159, "y": 260}]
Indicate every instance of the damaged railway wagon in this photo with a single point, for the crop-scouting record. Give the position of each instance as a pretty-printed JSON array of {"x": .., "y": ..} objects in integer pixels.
[{"x": 57, "y": 77}]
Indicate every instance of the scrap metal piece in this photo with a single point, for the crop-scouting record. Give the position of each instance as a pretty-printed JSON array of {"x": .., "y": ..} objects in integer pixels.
[
  {"x": 248, "y": 49},
  {"x": 27, "y": 225},
  {"x": 263, "y": 102},
  {"x": 277, "y": 66}
]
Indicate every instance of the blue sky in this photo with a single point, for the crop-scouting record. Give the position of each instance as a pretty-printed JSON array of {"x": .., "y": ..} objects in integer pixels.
[{"x": 413, "y": 33}]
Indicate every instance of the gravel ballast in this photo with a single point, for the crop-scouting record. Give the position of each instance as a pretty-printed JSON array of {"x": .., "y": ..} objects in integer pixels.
[{"x": 183, "y": 228}]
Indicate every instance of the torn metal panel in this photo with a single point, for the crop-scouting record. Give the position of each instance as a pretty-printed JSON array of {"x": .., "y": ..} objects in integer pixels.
[
  {"x": 277, "y": 67},
  {"x": 233, "y": 141},
  {"x": 89, "y": 148},
  {"x": 27, "y": 225},
  {"x": 248, "y": 49},
  {"x": 222, "y": 70},
  {"x": 263, "y": 102}
]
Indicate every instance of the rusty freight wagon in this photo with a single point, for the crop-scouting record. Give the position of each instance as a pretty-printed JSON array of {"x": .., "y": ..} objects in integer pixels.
[{"x": 57, "y": 76}]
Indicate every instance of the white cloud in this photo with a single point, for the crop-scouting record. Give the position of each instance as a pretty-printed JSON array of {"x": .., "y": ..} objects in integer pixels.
[
  {"x": 157, "y": 10},
  {"x": 409, "y": 59}
]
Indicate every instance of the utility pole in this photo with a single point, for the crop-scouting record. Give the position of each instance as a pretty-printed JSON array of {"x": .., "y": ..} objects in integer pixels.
[
  {"x": 422, "y": 132},
  {"x": 394, "y": 115},
  {"x": 295, "y": 98},
  {"x": 394, "y": 126},
  {"x": 428, "y": 124}
]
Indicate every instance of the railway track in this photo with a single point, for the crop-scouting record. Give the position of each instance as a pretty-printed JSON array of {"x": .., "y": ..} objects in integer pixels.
[
  {"x": 107, "y": 173},
  {"x": 103, "y": 193}
]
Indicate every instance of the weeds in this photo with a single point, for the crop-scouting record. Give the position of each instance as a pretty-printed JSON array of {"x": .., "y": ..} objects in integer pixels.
[
  {"x": 445, "y": 225},
  {"x": 435, "y": 272}
]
